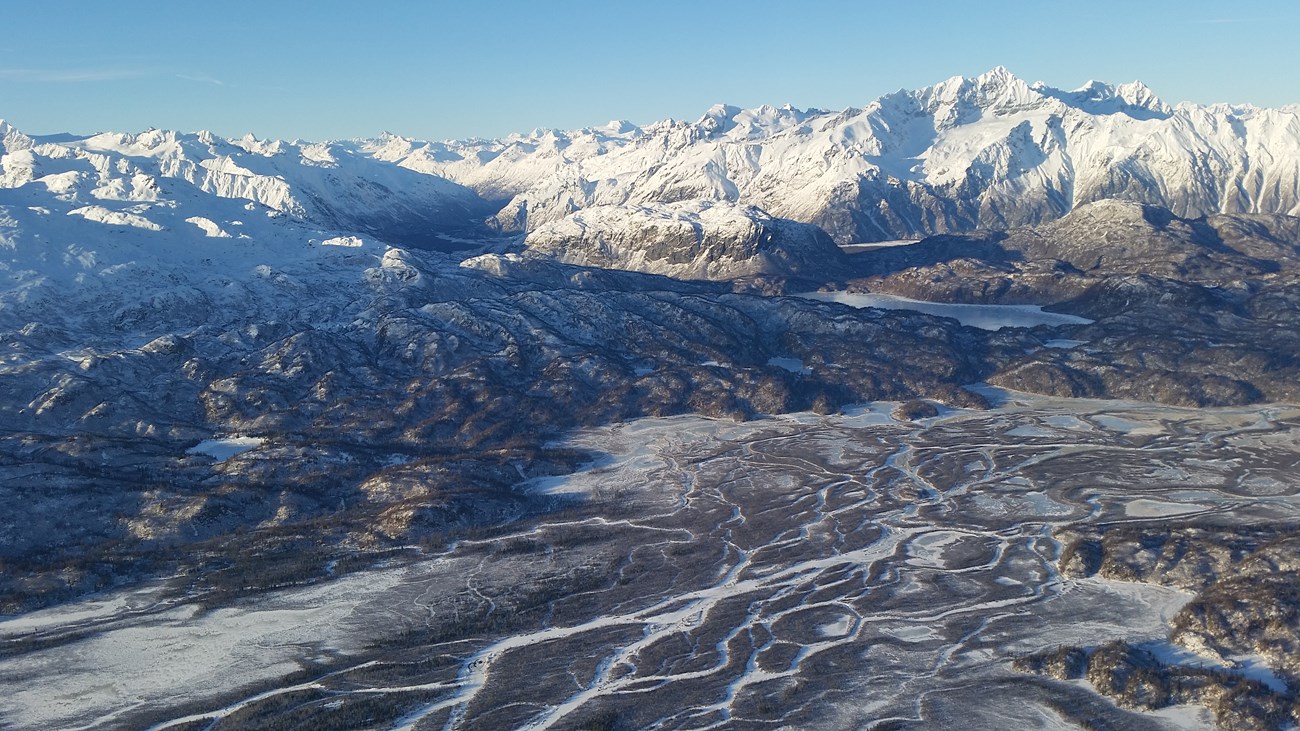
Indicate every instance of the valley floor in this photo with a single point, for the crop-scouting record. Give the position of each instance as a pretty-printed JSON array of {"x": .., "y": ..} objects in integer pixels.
[{"x": 847, "y": 571}]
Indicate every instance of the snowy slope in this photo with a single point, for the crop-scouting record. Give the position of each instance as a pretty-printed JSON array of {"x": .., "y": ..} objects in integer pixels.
[
  {"x": 143, "y": 233},
  {"x": 987, "y": 152},
  {"x": 984, "y": 152},
  {"x": 689, "y": 240},
  {"x": 331, "y": 186}
]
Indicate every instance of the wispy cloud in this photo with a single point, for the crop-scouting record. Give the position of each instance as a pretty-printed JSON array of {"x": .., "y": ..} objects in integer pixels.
[
  {"x": 201, "y": 79},
  {"x": 80, "y": 76},
  {"x": 69, "y": 76}
]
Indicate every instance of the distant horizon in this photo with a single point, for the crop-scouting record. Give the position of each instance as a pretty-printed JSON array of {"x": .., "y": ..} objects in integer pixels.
[{"x": 496, "y": 67}]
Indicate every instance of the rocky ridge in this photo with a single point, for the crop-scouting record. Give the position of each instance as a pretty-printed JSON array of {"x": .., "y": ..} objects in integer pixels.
[{"x": 693, "y": 240}]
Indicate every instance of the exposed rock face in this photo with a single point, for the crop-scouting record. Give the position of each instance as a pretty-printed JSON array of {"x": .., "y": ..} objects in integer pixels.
[
  {"x": 990, "y": 152},
  {"x": 1194, "y": 312},
  {"x": 1163, "y": 340},
  {"x": 1114, "y": 236},
  {"x": 691, "y": 240},
  {"x": 166, "y": 293},
  {"x": 913, "y": 410}
]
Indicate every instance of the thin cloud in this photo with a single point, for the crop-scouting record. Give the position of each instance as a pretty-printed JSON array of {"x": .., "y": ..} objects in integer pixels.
[
  {"x": 69, "y": 76},
  {"x": 201, "y": 79},
  {"x": 79, "y": 76}
]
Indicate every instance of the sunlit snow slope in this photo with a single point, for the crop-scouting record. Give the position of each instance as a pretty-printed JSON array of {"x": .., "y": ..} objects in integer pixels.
[
  {"x": 988, "y": 152},
  {"x": 991, "y": 152}
]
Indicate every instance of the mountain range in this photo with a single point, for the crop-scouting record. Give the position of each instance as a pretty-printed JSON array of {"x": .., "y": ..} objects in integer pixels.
[
  {"x": 990, "y": 152},
  {"x": 984, "y": 152}
]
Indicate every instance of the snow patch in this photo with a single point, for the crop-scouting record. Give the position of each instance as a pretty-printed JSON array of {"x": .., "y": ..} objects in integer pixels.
[
  {"x": 1119, "y": 424},
  {"x": 223, "y": 448},
  {"x": 1143, "y": 508},
  {"x": 498, "y": 265},
  {"x": 100, "y": 214},
  {"x": 208, "y": 227},
  {"x": 1255, "y": 667},
  {"x": 838, "y": 628},
  {"x": 179, "y": 655}
]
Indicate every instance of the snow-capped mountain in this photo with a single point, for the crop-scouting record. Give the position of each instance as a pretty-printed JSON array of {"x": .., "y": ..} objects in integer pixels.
[
  {"x": 986, "y": 152},
  {"x": 967, "y": 153},
  {"x": 143, "y": 180}
]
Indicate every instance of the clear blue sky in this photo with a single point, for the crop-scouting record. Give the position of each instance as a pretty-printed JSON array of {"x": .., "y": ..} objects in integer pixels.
[{"x": 435, "y": 70}]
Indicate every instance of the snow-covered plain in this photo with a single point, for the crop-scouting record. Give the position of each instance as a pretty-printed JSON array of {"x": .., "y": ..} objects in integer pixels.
[
  {"x": 841, "y": 564},
  {"x": 168, "y": 656}
]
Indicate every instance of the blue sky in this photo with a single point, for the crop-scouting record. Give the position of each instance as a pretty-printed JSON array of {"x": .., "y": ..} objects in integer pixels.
[{"x": 436, "y": 70}]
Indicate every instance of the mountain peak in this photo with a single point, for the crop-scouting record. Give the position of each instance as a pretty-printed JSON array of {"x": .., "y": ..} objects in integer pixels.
[
  {"x": 690, "y": 239},
  {"x": 11, "y": 140},
  {"x": 718, "y": 119},
  {"x": 999, "y": 82},
  {"x": 1133, "y": 99},
  {"x": 961, "y": 100},
  {"x": 620, "y": 127},
  {"x": 1140, "y": 95},
  {"x": 761, "y": 121},
  {"x": 998, "y": 74}
]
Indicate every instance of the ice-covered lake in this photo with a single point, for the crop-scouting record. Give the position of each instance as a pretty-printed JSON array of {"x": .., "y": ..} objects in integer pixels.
[
  {"x": 984, "y": 317},
  {"x": 876, "y": 245}
]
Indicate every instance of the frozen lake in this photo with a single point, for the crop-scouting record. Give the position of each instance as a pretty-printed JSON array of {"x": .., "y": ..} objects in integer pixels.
[
  {"x": 876, "y": 245},
  {"x": 984, "y": 317}
]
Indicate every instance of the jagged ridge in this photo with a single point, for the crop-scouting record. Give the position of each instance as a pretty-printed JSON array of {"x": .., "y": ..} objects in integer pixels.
[
  {"x": 691, "y": 240},
  {"x": 984, "y": 152},
  {"x": 967, "y": 153}
]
